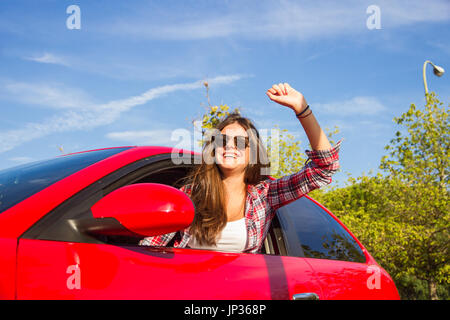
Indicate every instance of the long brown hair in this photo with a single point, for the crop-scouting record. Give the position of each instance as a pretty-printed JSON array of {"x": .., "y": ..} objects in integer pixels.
[{"x": 207, "y": 192}]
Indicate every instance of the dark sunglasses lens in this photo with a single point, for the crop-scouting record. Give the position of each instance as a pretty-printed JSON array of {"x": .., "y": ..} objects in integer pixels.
[
  {"x": 241, "y": 142},
  {"x": 221, "y": 140}
]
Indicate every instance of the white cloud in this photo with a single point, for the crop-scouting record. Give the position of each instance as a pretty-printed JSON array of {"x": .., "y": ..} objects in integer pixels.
[
  {"x": 367, "y": 106},
  {"x": 179, "y": 138},
  {"x": 96, "y": 115},
  {"x": 278, "y": 19},
  {"x": 49, "y": 58},
  {"x": 21, "y": 160},
  {"x": 147, "y": 137},
  {"x": 52, "y": 95}
]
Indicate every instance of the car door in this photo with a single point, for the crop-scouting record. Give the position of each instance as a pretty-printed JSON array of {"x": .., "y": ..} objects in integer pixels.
[
  {"x": 55, "y": 261},
  {"x": 69, "y": 270},
  {"x": 344, "y": 269}
]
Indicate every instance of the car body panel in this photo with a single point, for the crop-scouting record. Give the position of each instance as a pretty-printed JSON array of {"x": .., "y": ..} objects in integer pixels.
[
  {"x": 8, "y": 249},
  {"x": 343, "y": 280},
  {"x": 51, "y": 269}
]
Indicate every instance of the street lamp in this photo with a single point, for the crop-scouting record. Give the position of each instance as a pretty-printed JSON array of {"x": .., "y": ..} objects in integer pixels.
[{"x": 437, "y": 70}]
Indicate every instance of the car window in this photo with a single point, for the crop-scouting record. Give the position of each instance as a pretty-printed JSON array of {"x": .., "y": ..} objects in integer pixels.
[
  {"x": 18, "y": 183},
  {"x": 61, "y": 224},
  {"x": 313, "y": 233}
]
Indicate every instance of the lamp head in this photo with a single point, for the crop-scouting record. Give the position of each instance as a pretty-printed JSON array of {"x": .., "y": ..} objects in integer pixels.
[{"x": 439, "y": 71}]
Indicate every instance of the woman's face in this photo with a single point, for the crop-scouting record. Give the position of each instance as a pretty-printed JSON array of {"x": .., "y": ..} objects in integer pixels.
[{"x": 231, "y": 157}]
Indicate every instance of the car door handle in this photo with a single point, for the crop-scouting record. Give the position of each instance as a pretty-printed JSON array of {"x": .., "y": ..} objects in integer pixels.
[{"x": 305, "y": 296}]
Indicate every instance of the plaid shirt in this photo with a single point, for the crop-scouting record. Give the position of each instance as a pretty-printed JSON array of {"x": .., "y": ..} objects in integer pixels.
[{"x": 264, "y": 198}]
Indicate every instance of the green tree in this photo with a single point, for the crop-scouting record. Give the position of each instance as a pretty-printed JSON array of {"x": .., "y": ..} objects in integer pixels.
[
  {"x": 422, "y": 154},
  {"x": 286, "y": 151},
  {"x": 402, "y": 217},
  {"x": 420, "y": 160}
]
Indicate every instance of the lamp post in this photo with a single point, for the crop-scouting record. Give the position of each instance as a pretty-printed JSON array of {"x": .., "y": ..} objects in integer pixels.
[{"x": 437, "y": 70}]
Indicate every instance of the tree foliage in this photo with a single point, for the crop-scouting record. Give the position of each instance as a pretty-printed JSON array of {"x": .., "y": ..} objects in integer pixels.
[
  {"x": 402, "y": 216},
  {"x": 419, "y": 160},
  {"x": 422, "y": 153}
]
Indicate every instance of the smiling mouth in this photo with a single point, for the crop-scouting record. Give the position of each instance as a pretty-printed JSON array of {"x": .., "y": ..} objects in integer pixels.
[{"x": 229, "y": 155}]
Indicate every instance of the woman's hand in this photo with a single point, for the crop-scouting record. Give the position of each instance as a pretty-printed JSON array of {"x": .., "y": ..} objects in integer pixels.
[{"x": 285, "y": 95}]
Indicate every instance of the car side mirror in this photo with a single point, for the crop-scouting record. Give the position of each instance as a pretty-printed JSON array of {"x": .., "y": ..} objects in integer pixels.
[{"x": 144, "y": 209}]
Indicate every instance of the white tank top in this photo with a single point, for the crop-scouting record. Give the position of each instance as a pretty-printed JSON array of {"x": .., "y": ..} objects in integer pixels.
[{"x": 232, "y": 238}]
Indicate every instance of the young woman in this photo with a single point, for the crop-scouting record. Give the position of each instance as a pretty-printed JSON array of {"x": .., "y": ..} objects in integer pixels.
[{"x": 234, "y": 200}]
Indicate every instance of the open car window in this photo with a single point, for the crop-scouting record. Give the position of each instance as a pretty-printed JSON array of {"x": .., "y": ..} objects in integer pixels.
[{"x": 60, "y": 223}]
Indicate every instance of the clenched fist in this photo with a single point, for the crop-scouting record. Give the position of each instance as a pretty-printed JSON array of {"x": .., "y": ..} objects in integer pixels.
[{"x": 285, "y": 95}]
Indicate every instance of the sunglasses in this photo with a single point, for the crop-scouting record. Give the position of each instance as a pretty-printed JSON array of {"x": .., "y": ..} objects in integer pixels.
[{"x": 221, "y": 140}]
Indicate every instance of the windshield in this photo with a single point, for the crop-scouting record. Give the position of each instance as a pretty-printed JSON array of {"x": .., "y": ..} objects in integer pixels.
[{"x": 18, "y": 183}]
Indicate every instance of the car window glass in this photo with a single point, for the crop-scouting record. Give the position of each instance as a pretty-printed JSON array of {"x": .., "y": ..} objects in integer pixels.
[
  {"x": 313, "y": 233},
  {"x": 18, "y": 183}
]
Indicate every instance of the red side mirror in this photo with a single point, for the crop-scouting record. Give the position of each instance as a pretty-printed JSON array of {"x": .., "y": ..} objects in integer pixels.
[{"x": 147, "y": 209}]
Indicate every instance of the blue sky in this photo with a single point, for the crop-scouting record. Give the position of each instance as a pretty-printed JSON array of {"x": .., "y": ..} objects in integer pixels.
[{"x": 133, "y": 72}]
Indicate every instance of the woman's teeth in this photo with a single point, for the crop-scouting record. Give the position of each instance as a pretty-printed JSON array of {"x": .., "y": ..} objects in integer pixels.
[{"x": 229, "y": 156}]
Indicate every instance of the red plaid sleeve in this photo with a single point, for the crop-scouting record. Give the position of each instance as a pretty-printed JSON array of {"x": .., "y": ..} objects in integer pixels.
[
  {"x": 157, "y": 241},
  {"x": 317, "y": 172}
]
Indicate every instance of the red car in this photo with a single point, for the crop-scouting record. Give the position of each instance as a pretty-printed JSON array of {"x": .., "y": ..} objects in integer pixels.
[{"x": 70, "y": 227}]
